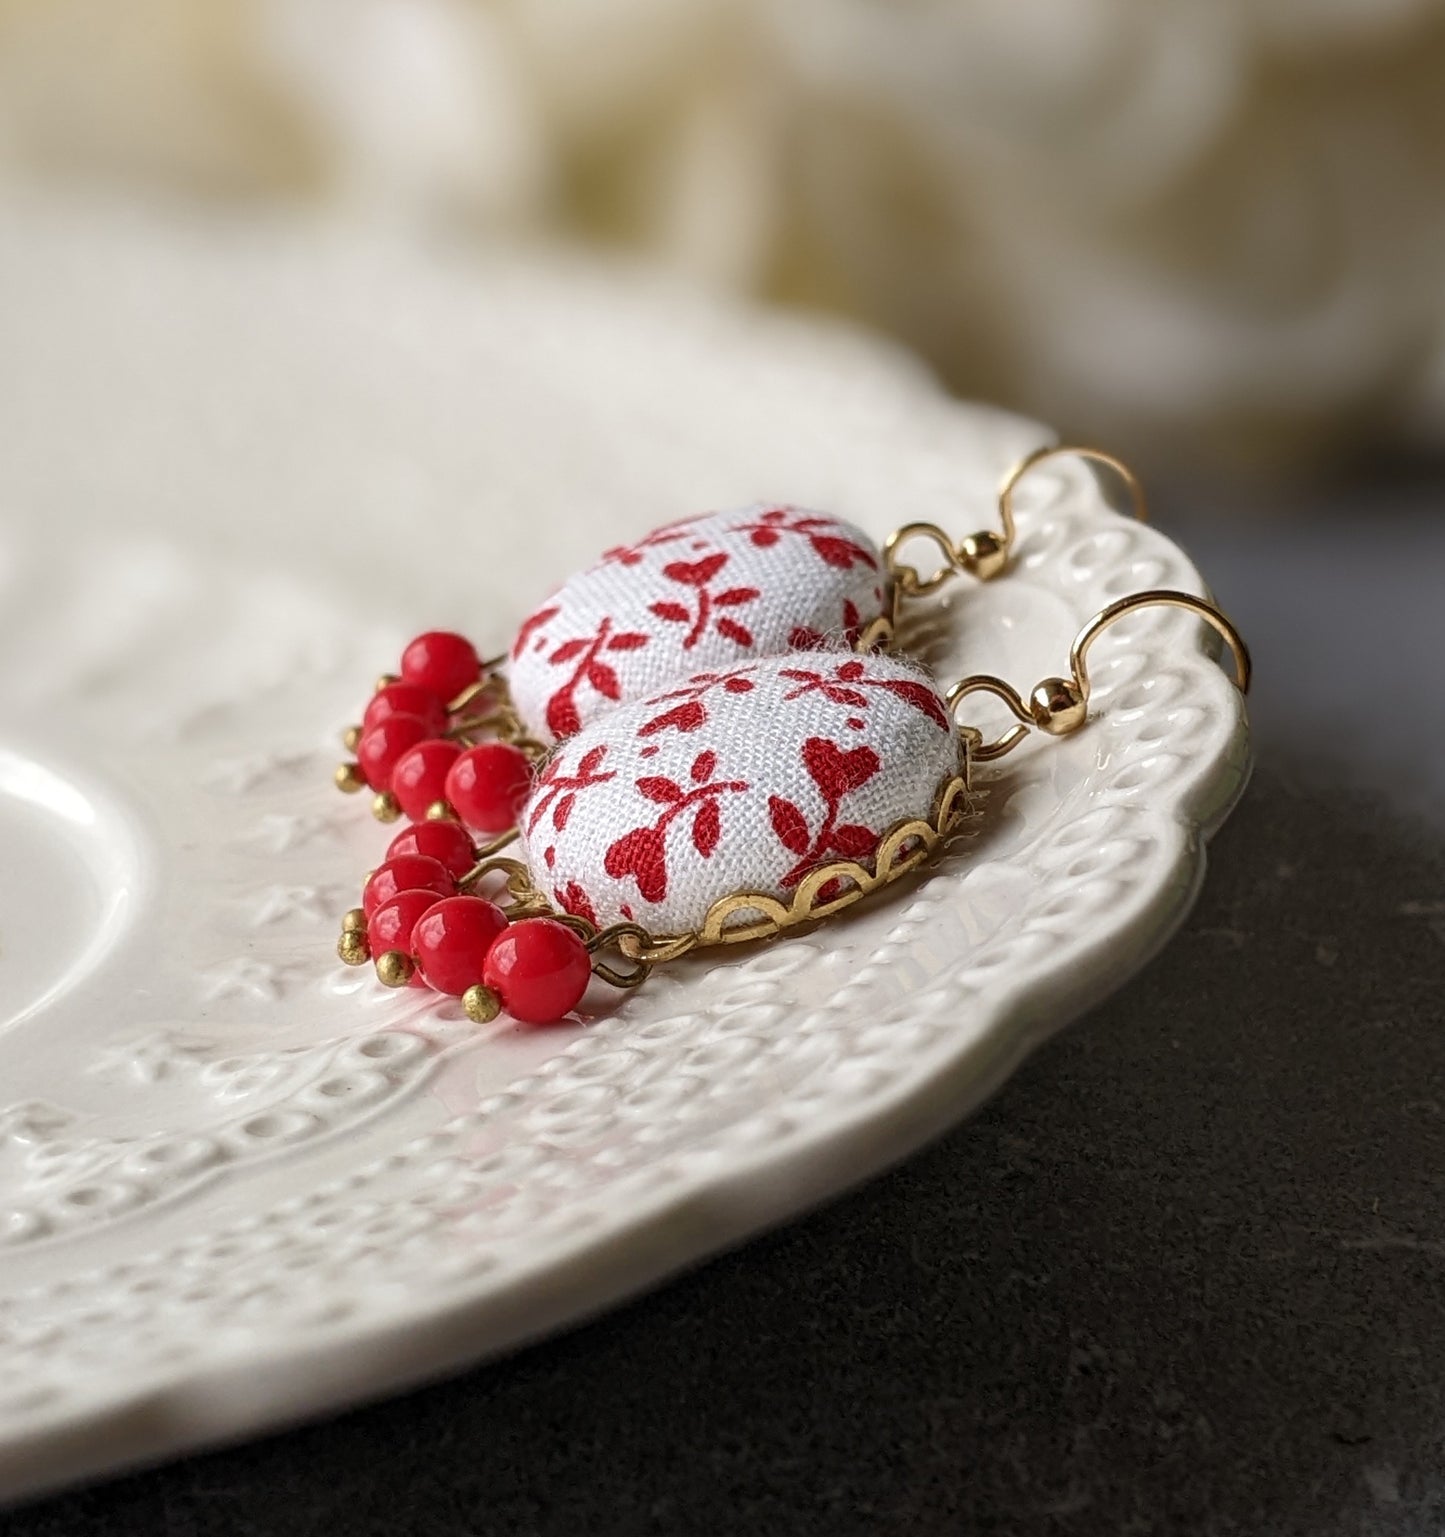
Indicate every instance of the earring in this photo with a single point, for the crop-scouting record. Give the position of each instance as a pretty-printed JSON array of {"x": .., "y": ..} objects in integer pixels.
[
  {"x": 451, "y": 735},
  {"x": 673, "y": 824}
]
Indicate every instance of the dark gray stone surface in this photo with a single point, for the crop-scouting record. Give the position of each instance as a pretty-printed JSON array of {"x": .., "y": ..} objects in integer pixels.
[{"x": 1186, "y": 1274}]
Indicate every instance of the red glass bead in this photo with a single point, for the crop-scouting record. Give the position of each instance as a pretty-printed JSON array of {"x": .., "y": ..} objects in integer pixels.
[
  {"x": 420, "y": 776},
  {"x": 488, "y": 786},
  {"x": 405, "y": 699},
  {"x": 449, "y": 842},
  {"x": 410, "y": 872},
  {"x": 442, "y": 663},
  {"x": 380, "y": 747},
  {"x": 452, "y": 940},
  {"x": 539, "y": 969},
  {"x": 390, "y": 926}
]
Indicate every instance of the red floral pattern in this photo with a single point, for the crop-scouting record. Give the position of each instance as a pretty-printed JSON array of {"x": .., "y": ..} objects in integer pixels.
[
  {"x": 633, "y": 554},
  {"x": 557, "y": 791},
  {"x": 836, "y": 771},
  {"x": 828, "y": 545},
  {"x": 699, "y": 595},
  {"x": 691, "y": 714},
  {"x": 563, "y": 717},
  {"x": 851, "y": 679},
  {"x": 642, "y": 853},
  {"x": 698, "y": 574},
  {"x": 771, "y": 769}
]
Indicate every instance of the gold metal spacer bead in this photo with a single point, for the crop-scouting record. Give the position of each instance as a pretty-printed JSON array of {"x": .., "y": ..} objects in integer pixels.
[
  {"x": 1058, "y": 706},
  {"x": 983, "y": 555},
  {"x": 441, "y": 811},
  {"x": 395, "y": 968},
  {"x": 354, "y": 922},
  {"x": 353, "y": 949},
  {"x": 349, "y": 777},
  {"x": 482, "y": 1004},
  {"x": 351, "y": 738},
  {"x": 386, "y": 680},
  {"x": 385, "y": 808}
]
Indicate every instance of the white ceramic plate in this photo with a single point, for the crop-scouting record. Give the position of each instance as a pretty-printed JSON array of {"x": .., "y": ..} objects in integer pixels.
[{"x": 241, "y": 1184}]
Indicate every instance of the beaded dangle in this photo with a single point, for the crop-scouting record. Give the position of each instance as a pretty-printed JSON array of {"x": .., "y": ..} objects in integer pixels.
[{"x": 661, "y": 807}]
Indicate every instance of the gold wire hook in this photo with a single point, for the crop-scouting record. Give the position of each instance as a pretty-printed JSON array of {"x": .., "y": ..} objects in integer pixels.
[
  {"x": 985, "y": 683},
  {"x": 986, "y": 554},
  {"x": 1160, "y": 597},
  {"x": 1031, "y": 462},
  {"x": 1060, "y": 706}
]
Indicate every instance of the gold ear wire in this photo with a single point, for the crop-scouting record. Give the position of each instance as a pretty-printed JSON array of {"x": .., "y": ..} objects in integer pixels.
[
  {"x": 1160, "y": 597},
  {"x": 1031, "y": 462},
  {"x": 1060, "y": 706},
  {"x": 986, "y": 554}
]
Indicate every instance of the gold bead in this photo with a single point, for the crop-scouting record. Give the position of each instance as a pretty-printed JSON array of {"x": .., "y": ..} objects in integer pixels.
[
  {"x": 348, "y": 777},
  {"x": 352, "y": 948},
  {"x": 983, "y": 555},
  {"x": 394, "y": 968},
  {"x": 385, "y": 808},
  {"x": 386, "y": 680},
  {"x": 351, "y": 738},
  {"x": 354, "y": 922},
  {"x": 1058, "y": 707},
  {"x": 440, "y": 811},
  {"x": 482, "y": 1004}
]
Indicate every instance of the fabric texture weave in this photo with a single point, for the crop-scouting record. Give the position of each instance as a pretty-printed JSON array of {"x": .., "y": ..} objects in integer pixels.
[
  {"x": 739, "y": 780},
  {"x": 707, "y": 592}
]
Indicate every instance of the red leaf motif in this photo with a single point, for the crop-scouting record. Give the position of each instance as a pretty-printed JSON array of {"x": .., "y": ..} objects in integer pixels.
[
  {"x": 836, "y": 772},
  {"x": 685, "y": 717},
  {"x": 695, "y": 573},
  {"x": 562, "y": 811},
  {"x": 640, "y": 854},
  {"x": 765, "y": 538},
  {"x": 604, "y": 680},
  {"x": 738, "y": 686},
  {"x": 920, "y": 697},
  {"x": 853, "y": 841},
  {"x": 572, "y": 899},
  {"x": 562, "y": 717},
  {"x": 674, "y": 612},
  {"x": 568, "y": 651},
  {"x": 850, "y": 672},
  {"x": 735, "y": 632},
  {"x": 629, "y": 640},
  {"x": 736, "y": 595},
  {"x": 531, "y": 626},
  {"x": 707, "y": 828},
  {"x": 591, "y": 762},
  {"x": 703, "y": 766},
  {"x": 842, "y": 553},
  {"x": 788, "y": 823},
  {"x": 657, "y": 788}
]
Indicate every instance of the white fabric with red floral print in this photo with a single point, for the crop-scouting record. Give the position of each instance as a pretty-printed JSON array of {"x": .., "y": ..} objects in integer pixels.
[
  {"x": 739, "y": 780},
  {"x": 707, "y": 592}
]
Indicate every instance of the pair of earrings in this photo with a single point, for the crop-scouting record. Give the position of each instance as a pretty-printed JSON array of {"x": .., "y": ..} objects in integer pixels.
[{"x": 707, "y": 738}]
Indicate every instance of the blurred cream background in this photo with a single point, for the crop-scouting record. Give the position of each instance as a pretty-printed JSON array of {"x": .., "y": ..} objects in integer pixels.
[{"x": 1184, "y": 227}]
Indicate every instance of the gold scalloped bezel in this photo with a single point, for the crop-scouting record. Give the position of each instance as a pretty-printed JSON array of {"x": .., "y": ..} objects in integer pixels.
[{"x": 906, "y": 848}]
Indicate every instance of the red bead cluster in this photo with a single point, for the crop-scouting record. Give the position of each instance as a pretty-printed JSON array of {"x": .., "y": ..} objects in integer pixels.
[
  {"x": 420, "y": 925},
  {"x": 407, "y": 747},
  {"x": 418, "y": 921}
]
